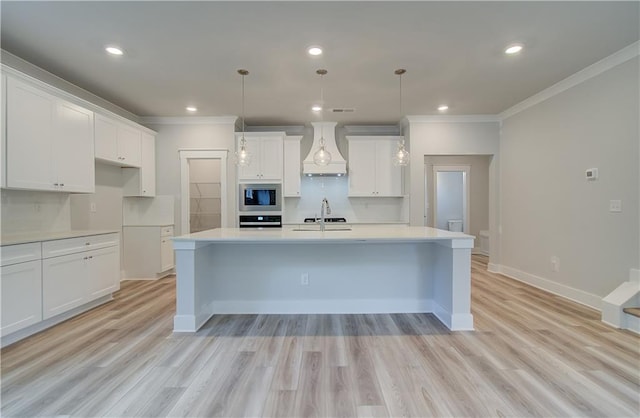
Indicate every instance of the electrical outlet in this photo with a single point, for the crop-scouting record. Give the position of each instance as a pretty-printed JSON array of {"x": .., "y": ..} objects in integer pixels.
[
  {"x": 555, "y": 264},
  {"x": 615, "y": 206},
  {"x": 304, "y": 279}
]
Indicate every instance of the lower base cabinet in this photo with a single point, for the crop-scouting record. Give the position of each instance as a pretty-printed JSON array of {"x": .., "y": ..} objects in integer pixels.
[
  {"x": 148, "y": 251},
  {"x": 44, "y": 279},
  {"x": 63, "y": 284},
  {"x": 21, "y": 296}
]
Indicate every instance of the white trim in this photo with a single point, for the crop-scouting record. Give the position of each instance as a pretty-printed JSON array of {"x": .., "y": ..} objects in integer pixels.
[
  {"x": 576, "y": 295},
  {"x": 452, "y": 118},
  {"x": 392, "y": 130},
  {"x": 189, "y": 120},
  {"x": 190, "y": 154},
  {"x": 494, "y": 268},
  {"x": 581, "y": 76}
]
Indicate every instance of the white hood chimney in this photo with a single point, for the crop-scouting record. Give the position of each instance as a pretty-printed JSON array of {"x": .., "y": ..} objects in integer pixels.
[{"x": 337, "y": 166}]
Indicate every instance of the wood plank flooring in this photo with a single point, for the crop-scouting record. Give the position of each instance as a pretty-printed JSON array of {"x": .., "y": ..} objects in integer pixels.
[{"x": 532, "y": 354}]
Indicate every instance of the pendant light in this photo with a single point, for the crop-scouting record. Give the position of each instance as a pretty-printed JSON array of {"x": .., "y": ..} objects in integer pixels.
[
  {"x": 401, "y": 157},
  {"x": 322, "y": 157},
  {"x": 243, "y": 156}
]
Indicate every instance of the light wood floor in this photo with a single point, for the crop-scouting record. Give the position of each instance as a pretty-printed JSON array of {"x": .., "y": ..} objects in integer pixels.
[{"x": 533, "y": 354}]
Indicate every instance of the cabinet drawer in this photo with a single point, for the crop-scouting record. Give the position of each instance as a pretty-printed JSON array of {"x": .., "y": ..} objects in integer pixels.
[
  {"x": 20, "y": 253},
  {"x": 166, "y": 231},
  {"x": 74, "y": 245}
]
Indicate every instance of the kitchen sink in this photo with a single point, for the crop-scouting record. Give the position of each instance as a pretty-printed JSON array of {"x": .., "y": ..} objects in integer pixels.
[{"x": 328, "y": 228}]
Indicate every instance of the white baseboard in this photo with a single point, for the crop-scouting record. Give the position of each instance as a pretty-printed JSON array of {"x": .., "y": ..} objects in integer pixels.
[
  {"x": 576, "y": 295},
  {"x": 493, "y": 268}
]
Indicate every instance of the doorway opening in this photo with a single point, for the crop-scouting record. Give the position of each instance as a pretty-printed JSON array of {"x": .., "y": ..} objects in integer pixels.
[
  {"x": 203, "y": 189},
  {"x": 451, "y": 198}
]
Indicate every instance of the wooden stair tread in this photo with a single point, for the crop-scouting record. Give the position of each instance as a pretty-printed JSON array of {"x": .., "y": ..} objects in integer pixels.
[{"x": 632, "y": 311}]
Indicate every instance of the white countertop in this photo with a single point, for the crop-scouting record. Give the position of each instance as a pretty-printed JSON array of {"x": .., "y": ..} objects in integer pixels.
[
  {"x": 36, "y": 236},
  {"x": 288, "y": 234}
]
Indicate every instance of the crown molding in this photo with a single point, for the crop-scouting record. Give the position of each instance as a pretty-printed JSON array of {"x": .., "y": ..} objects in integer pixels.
[
  {"x": 188, "y": 120},
  {"x": 622, "y": 56},
  {"x": 371, "y": 129},
  {"x": 452, "y": 118}
]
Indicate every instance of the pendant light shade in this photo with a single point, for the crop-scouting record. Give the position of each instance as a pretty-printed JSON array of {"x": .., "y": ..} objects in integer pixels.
[
  {"x": 401, "y": 156},
  {"x": 321, "y": 157},
  {"x": 243, "y": 156}
]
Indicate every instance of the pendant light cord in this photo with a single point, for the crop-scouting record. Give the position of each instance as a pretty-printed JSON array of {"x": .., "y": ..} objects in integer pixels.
[
  {"x": 322, "y": 73},
  {"x": 400, "y": 72}
]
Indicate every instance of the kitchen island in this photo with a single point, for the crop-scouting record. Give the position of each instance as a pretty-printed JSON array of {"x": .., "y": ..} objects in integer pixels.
[{"x": 365, "y": 270}]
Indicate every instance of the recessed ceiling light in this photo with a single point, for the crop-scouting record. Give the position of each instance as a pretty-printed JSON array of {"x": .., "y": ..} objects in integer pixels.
[
  {"x": 314, "y": 50},
  {"x": 192, "y": 109},
  {"x": 316, "y": 108},
  {"x": 442, "y": 108},
  {"x": 114, "y": 50},
  {"x": 513, "y": 49}
]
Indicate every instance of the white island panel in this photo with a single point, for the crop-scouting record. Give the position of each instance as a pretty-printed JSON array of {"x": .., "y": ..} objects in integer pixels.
[{"x": 372, "y": 270}]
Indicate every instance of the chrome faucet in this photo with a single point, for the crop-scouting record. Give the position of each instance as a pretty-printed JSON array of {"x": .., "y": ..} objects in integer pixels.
[{"x": 325, "y": 203}]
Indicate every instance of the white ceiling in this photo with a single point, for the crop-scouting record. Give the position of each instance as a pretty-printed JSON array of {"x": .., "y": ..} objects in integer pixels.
[{"x": 181, "y": 53}]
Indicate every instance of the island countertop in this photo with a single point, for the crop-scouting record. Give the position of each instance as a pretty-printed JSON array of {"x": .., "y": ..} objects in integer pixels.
[{"x": 333, "y": 234}]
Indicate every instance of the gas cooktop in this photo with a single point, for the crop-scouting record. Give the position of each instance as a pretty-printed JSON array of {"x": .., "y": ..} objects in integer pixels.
[{"x": 327, "y": 220}]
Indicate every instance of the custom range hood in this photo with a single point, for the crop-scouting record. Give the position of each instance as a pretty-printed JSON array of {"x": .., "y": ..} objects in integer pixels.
[{"x": 337, "y": 166}]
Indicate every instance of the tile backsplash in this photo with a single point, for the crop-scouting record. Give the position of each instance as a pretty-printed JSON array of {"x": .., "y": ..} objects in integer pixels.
[{"x": 27, "y": 211}]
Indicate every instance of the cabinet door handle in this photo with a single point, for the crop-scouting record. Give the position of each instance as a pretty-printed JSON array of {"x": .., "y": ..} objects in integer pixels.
[
  {"x": 61, "y": 184},
  {"x": 85, "y": 258},
  {"x": 87, "y": 243},
  {"x": 90, "y": 256},
  {"x": 56, "y": 184}
]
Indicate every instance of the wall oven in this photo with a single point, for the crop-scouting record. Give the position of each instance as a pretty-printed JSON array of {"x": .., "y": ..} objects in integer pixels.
[{"x": 260, "y": 197}]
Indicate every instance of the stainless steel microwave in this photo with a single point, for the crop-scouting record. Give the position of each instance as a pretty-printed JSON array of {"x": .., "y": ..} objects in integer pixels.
[{"x": 260, "y": 197}]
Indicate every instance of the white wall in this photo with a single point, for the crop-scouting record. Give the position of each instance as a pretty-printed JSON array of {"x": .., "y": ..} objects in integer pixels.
[
  {"x": 336, "y": 189},
  {"x": 183, "y": 133},
  {"x": 29, "y": 211},
  {"x": 433, "y": 136},
  {"x": 107, "y": 201},
  {"x": 548, "y": 208}
]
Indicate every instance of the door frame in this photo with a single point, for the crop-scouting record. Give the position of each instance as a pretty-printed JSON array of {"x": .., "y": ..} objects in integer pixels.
[
  {"x": 466, "y": 171},
  {"x": 201, "y": 154}
]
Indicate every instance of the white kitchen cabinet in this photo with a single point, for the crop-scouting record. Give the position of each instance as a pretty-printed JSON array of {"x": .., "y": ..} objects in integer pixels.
[
  {"x": 103, "y": 272},
  {"x": 148, "y": 251},
  {"x": 64, "y": 284},
  {"x": 49, "y": 141},
  {"x": 142, "y": 181},
  {"x": 117, "y": 143},
  {"x": 292, "y": 167},
  {"x": 371, "y": 169},
  {"x": 267, "y": 153},
  {"x": 3, "y": 131},
  {"x": 21, "y": 287},
  {"x": 78, "y": 270}
]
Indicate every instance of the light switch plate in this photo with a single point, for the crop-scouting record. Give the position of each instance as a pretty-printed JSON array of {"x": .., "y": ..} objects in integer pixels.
[{"x": 615, "y": 206}]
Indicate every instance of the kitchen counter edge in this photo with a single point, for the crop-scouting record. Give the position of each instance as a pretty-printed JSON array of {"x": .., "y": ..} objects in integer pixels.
[{"x": 39, "y": 236}]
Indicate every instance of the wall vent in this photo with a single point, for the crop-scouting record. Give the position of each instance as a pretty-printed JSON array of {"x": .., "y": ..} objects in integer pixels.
[{"x": 343, "y": 110}]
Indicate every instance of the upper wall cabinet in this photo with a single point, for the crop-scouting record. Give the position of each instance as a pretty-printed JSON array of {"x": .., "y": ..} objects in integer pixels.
[
  {"x": 117, "y": 143},
  {"x": 266, "y": 161},
  {"x": 371, "y": 169},
  {"x": 142, "y": 181},
  {"x": 292, "y": 168},
  {"x": 49, "y": 141}
]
